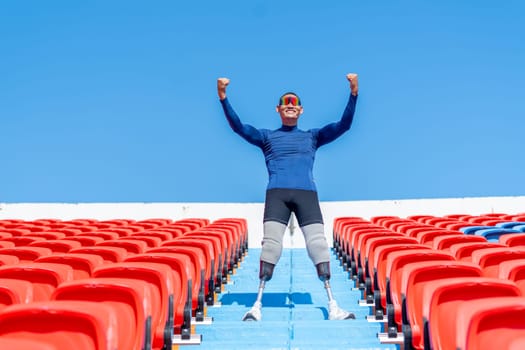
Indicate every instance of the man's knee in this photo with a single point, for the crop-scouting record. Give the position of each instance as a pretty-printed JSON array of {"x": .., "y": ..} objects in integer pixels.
[
  {"x": 266, "y": 271},
  {"x": 316, "y": 243},
  {"x": 272, "y": 241}
]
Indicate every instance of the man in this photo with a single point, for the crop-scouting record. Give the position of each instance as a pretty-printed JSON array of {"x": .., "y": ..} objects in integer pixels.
[{"x": 289, "y": 154}]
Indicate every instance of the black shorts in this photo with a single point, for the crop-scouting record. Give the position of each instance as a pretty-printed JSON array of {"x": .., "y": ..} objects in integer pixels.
[{"x": 281, "y": 202}]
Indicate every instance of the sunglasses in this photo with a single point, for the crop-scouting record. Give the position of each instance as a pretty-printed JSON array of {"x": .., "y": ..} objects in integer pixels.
[{"x": 286, "y": 100}]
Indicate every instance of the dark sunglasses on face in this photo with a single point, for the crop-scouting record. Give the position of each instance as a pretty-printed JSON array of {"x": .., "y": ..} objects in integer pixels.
[{"x": 286, "y": 100}]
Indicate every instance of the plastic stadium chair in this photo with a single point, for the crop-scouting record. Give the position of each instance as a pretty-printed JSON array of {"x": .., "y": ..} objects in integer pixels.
[
  {"x": 47, "y": 235},
  {"x": 15, "y": 292},
  {"x": 510, "y": 224},
  {"x": 151, "y": 241},
  {"x": 359, "y": 251},
  {"x": 198, "y": 262},
  {"x": 109, "y": 254},
  {"x": 160, "y": 234},
  {"x": 232, "y": 244},
  {"x": 8, "y": 260},
  {"x": 26, "y": 254},
  {"x": 427, "y": 237},
  {"x": 165, "y": 284},
  {"x": 513, "y": 270},
  {"x": 470, "y": 230},
  {"x": 493, "y": 234},
  {"x": 339, "y": 224},
  {"x": 218, "y": 265},
  {"x": 433, "y": 294},
  {"x": 83, "y": 265},
  {"x": 444, "y": 300},
  {"x": 105, "y": 235},
  {"x": 182, "y": 266},
  {"x": 78, "y": 325},
  {"x": 23, "y": 241},
  {"x": 57, "y": 245},
  {"x": 45, "y": 277},
  {"x": 396, "y": 261},
  {"x": 219, "y": 240},
  {"x": 86, "y": 240},
  {"x": 463, "y": 251},
  {"x": 420, "y": 299},
  {"x": 132, "y": 246},
  {"x": 371, "y": 245},
  {"x": 494, "y": 324},
  {"x": 352, "y": 248},
  {"x": 513, "y": 240},
  {"x": 444, "y": 242},
  {"x": 206, "y": 257},
  {"x": 130, "y": 298},
  {"x": 7, "y": 244},
  {"x": 489, "y": 259},
  {"x": 412, "y": 276},
  {"x": 379, "y": 280}
]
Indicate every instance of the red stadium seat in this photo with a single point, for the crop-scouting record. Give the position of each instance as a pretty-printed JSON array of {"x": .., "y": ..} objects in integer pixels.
[
  {"x": 198, "y": 277},
  {"x": 444, "y": 242},
  {"x": 26, "y": 254},
  {"x": 109, "y": 254},
  {"x": 463, "y": 251},
  {"x": 47, "y": 234},
  {"x": 513, "y": 240},
  {"x": 494, "y": 323},
  {"x": 86, "y": 240},
  {"x": 513, "y": 270},
  {"x": 166, "y": 286},
  {"x": 23, "y": 241},
  {"x": 83, "y": 265},
  {"x": 57, "y": 245},
  {"x": 395, "y": 264},
  {"x": 441, "y": 291},
  {"x": 206, "y": 248},
  {"x": 132, "y": 246},
  {"x": 428, "y": 236},
  {"x": 15, "y": 292},
  {"x": 183, "y": 266},
  {"x": 8, "y": 260},
  {"x": 75, "y": 325},
  {"x": 444, "y": 300},
  {"x": 45, "y": 277},
  {"x": 130, "y": 298},
  {"x": 490, "y": 258}
]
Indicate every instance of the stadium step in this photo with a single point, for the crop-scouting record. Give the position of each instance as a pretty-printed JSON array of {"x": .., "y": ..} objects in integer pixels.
[{"x": 295, "y": 314}]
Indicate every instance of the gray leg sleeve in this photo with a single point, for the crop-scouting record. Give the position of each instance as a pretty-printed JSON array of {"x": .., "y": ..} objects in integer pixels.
[
  {"x": 316, "y": 243},
  {"x": 272, "y": 243}
]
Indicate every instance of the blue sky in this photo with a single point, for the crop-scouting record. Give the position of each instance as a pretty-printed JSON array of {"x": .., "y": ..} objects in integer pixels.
[{"x": 115, "y": 101}]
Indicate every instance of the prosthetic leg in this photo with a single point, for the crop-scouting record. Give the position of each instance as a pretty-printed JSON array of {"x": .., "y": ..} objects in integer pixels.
[
  {"x": 334, "y": 311},
  {"x": 265, "y": 274}
]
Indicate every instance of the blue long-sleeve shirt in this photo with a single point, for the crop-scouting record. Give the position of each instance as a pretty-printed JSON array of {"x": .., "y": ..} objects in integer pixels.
[{"x": 289, "y": 152}]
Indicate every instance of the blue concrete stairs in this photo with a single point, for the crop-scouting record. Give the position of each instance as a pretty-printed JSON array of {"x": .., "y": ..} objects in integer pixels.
[{"x": 295, "y": 315}]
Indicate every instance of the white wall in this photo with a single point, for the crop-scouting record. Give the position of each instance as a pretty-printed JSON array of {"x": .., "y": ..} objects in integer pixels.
[{"x": 253, "y": 212}]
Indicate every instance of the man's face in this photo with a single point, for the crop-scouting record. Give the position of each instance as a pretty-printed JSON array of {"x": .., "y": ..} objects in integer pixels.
[{"x": 289, "y": 108}]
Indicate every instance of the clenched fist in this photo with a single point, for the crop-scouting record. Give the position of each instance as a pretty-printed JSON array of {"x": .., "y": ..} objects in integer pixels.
[
  {"x": 352, "y": 78},
  {"x": 222, "y": 83}
]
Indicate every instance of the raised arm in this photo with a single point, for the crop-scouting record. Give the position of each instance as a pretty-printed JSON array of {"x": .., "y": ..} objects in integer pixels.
[
  {"x": 247, "y": 132},
  {"x": 332, "y": 131}
]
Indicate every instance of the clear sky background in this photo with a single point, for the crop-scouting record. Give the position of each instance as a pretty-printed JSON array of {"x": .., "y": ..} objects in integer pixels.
[{"x": 115, "y": 101}]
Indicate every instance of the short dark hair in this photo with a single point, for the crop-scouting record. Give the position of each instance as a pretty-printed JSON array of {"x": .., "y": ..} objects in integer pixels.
[{"x": 289, "y": 93}]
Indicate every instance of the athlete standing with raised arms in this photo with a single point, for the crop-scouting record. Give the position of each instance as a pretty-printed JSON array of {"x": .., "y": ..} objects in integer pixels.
[{"x": 289, "y": 153}]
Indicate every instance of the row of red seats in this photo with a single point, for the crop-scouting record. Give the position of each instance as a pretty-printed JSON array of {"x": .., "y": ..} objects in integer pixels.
[
  {"x": 155, "y": 275},
  {"x": 397, "y": 262}
]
